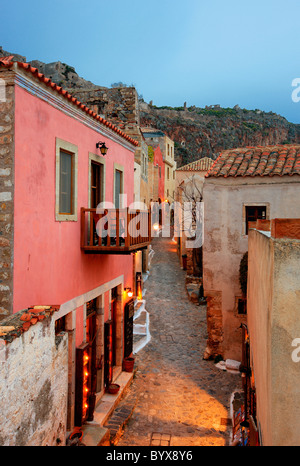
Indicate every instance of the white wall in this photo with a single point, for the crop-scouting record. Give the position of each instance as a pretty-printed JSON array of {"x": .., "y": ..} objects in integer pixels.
[{"x": 34, "y": 387}]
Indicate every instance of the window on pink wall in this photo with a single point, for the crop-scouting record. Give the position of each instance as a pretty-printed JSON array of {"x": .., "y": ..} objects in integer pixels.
[{"x": 66, "y": 183}]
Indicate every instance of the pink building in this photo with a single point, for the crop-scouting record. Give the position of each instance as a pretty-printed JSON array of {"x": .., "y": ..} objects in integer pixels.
[
  {"x": 53, "y": 175},
  {"x": 158, "y": 160}
]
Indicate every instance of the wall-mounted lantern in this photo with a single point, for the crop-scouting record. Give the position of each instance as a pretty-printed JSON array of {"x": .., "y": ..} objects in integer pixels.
[
  {"x": 129, "y": 292},
  {"x": 103, "y": 149}
]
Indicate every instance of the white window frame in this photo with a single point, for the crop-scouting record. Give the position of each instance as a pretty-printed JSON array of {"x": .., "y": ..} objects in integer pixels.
[
  {"x": 72, "y": 149},
  {"x": 253, "y": 204},
  {"x": 120, "y": 168}
]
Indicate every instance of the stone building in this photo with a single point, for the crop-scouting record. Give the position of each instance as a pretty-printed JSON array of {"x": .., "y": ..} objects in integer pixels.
[
  {"x": 156, "y": 174},
  {"x": 189, "y": 181},
  {"x": 120, "y": 106},
  {"x": 154, "y": 138},
  {"x": 243, "y": 185}
]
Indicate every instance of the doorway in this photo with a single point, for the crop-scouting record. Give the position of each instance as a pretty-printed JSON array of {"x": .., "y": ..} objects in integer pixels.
[
  {"x": 86, "y": 369},
  {"x": 113, "y": 336},
  {"x": 108, "y": 354},
  {"x": 96, "y": 192},
  {"x": 111, "y": 344},
  {"x": 96, "y": 184}
]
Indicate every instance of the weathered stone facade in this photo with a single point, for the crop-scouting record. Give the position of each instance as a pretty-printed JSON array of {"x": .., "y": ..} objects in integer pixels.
[
  {"x": 119, "y": 105},
  {"x": 153, "y": 181},
  {"x": 214, "y": 325},
  {"x": 7, "y": 104},
  {"x": 226, "y": 202},
  {"x": 34, "y": 380}
]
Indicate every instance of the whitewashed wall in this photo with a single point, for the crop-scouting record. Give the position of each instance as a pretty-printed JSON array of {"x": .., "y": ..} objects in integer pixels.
[{"x": 34, "y": 387}]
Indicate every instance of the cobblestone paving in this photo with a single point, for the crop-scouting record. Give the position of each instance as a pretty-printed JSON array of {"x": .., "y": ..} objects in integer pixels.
[{"x": 181, "y": 397}]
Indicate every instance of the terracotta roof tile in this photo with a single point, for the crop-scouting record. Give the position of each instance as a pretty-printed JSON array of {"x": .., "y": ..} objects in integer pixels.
[
  {"x": 7, "y": 62},
  {"x": 257, "y": 161},
  {"x": 203, "y": 164},
  {"x": 23, "y": 320}
]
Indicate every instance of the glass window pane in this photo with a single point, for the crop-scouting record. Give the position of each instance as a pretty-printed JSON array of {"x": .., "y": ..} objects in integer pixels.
[
  {"x": 65, "y": 198},
  {"x": 118, "y": 175}
]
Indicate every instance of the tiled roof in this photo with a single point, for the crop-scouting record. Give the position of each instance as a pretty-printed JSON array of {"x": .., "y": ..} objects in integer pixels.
[
  {"x": 16, "y": 324},
  {"x": 149, "y": 130},
  {"x": 7, "y": 62},
  {"x": 203, "y": 164},
  {"x": 257, "y": 161}
]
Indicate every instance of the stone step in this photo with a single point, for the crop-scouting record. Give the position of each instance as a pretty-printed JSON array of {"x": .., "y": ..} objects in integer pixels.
[
  {"x": 109, "y": 402},
  {"x": 138, "y": 308},
  {"x": 120, "y": 417},
  {"x": 140, "y": 324},
  {"x": 139, "y": 329},
  {"x": 95, "y": 435}
]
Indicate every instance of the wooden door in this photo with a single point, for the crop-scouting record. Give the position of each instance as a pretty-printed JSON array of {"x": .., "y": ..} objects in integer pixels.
[
  {"x": 113, "y": 318},
  {"x": 96, "y": 174},
  {"x": 91, "y": 339},
  {"x": 108, "y": 353},
  {"x": 128, "y": 329},
  {"x": 91, "y": 335},
  {"x": 96, "y": 193},
  {"x": 83, "y": 383}
]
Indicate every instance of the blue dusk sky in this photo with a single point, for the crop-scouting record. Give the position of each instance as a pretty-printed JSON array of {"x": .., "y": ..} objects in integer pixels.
[{"x": 202, "y": 52}]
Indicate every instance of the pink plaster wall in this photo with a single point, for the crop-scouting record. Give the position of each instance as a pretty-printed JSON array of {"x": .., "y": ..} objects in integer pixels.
[
  {"x": 49, "y": 266},
  {"x": 158, "y": 159}
]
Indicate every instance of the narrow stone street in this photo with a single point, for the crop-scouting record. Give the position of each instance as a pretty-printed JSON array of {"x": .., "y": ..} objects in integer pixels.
[{"x": 182, "y": 400}]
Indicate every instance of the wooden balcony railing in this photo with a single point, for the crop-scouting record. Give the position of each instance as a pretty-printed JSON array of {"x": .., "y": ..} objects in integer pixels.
[{"x": 114, "y": 231}]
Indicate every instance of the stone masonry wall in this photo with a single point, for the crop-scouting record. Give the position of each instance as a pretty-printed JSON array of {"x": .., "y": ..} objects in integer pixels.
[
  {"x": 118, "y": 105},
  {"x": 34, "y": 380},
  {"x": 214, "y": 325},
  {"x": 7, "y": 105}
]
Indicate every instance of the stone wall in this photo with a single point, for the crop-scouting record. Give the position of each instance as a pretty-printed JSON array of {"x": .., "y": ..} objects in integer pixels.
[
  {"x": 118, "y": 105},
  {"x": 34, "y": 380},
  {"x": 7, "y": 105},
  {"x": 274, "y": 329}
]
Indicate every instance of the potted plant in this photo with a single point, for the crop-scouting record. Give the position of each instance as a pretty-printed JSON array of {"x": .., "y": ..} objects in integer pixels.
[
  {"x": 113, "y": 388},
  {"x": 128, "y": 364}
]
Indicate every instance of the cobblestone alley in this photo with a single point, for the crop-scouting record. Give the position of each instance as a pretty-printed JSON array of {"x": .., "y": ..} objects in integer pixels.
[{"x": 182, "y": 400}]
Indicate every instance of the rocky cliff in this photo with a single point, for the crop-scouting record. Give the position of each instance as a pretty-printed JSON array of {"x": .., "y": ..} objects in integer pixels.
[
  {"x": 197, "y": 132},
  {"x": 205, "y": 132}
]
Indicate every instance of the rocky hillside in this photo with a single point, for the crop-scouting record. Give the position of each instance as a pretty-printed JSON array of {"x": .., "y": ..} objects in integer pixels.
[
  {"x": 205, "y": 132},
  {"x": 197, "y": 132},
  {"x": 61, "y": 73}
]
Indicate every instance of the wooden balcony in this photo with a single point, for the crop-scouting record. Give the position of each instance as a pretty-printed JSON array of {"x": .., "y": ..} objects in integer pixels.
[{"x": 115, "y": 231}]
